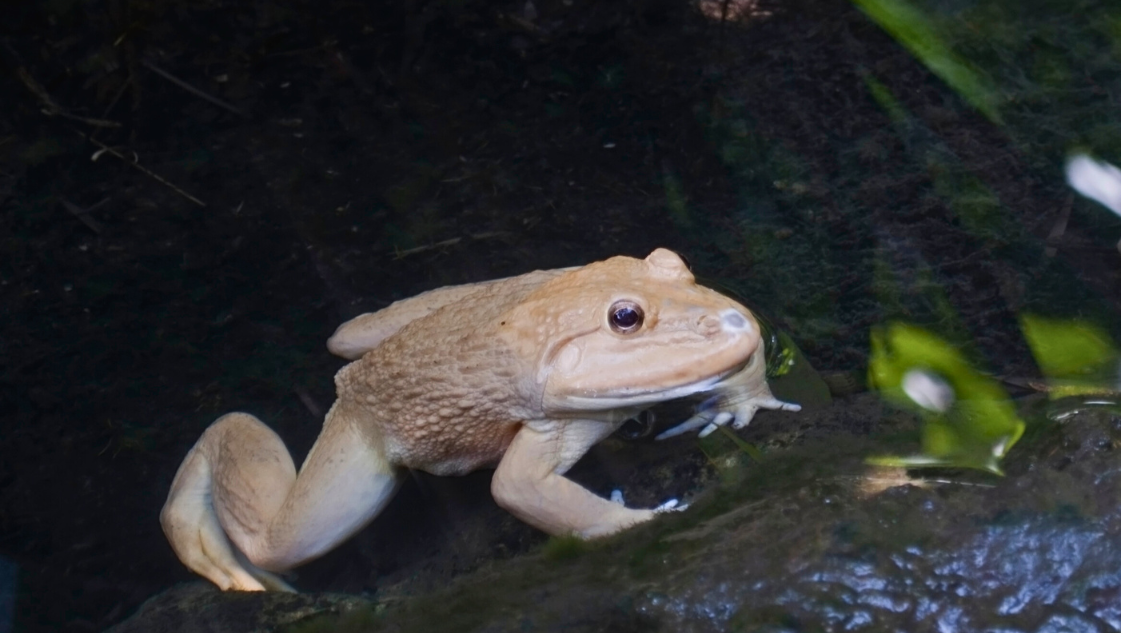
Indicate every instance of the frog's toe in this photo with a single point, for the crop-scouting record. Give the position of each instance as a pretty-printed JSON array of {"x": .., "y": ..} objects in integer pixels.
[
  {"x": 745, "y": 413},
  {"x": 708, "y": 430},
  {"x": 692, "y": 424},
  {"x": 715, "y": 413},
  {"x": 744, "y": 416},
  {"x": 673, "y": 505},
  {"x": 782, "y": 405}
]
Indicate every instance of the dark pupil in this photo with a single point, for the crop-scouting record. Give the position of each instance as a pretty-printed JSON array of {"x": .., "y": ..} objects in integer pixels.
[{"x": 626, "y": 317}]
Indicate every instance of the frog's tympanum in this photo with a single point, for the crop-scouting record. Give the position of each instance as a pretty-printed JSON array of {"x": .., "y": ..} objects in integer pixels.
[{"x": 524, "y": 374}]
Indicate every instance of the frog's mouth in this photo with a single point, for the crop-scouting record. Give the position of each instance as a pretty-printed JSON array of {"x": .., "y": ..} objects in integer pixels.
[{"x": 623, "y": 398}]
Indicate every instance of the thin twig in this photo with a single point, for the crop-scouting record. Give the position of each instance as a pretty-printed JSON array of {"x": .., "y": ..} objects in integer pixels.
[
  {"x": 462, "y": 178},
  {"x": 117, "y": 97},
  {"x": 486, "y": 235},
  {"x": 50, "y": 108},
  {"x": 401, "y": 254},
  {"x": 105, "y": 149},
  {"x": 1059, "y": 227},
  {"x": 83, "y": 214},
  {"x": 309, "y": 402},
  {"x": 191, "y": 89}
]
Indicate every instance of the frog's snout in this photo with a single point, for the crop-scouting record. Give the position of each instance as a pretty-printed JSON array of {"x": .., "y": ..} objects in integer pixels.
[{"x": 732, "y": 320}]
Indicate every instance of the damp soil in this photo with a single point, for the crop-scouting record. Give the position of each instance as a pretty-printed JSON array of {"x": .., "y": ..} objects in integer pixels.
[{"x": 192, "y": 198}]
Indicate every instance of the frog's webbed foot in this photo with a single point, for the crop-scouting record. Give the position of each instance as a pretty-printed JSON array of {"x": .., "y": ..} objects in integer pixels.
[
  {"x": 735, "y": 399},
  {"x": 712, "y": 414}
]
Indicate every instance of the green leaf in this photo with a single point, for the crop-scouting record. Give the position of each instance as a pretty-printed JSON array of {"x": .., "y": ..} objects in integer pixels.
[
  {"x": 1065, "y": 348},
  {"x": 914, "y": 30},
  {"x": 969, "y": 421}
]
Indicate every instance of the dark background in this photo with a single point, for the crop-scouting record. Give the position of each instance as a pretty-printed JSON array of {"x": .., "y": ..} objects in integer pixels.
[{"x": 367, "y": 151}]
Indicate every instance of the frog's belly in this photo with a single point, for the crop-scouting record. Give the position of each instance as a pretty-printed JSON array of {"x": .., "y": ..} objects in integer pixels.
[{"x": 449, "y": 449}]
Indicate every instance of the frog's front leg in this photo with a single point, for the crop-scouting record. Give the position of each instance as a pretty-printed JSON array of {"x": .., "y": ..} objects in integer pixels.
[
  {"x": 735, "y": 399},
  {"x": 238, "y": 508},
  {"x": 529, "y": 481}
]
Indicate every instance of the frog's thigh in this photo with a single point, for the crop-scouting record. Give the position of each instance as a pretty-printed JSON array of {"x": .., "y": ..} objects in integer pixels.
[
  {"x": 343, "y": 484},
  {"x": 191, "y": 525},
  {"x": 239, "y": 482},
  {"x": 529, "y": 485}
]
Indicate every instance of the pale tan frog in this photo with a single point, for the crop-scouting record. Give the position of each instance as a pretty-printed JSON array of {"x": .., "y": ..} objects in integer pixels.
[{"x": 524, "y": 373}]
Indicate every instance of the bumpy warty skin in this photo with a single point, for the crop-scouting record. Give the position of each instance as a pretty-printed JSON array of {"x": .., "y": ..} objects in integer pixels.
[{"x": 448, "y": 397}]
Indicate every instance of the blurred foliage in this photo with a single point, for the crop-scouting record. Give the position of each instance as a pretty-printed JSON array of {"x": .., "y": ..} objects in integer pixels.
[
  {"x": 978, "y": 208},
  {"x": 1077, "y": 357},
  {"x": 1051, "y": 66},
  {"x": 1067, "y": 348},
  {"x": 918, "y": 32},
  {"x": 973, "y": 425}
]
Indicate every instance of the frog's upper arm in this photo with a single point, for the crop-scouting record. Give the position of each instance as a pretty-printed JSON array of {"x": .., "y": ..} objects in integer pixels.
[{"x": 364, "y": 332}]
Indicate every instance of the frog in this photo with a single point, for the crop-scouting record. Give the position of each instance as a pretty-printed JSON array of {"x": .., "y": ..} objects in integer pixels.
[{"x": 522, "y": 374}]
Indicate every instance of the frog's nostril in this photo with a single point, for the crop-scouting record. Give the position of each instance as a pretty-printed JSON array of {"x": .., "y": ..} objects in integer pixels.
[{"x": 734, "y": 321}]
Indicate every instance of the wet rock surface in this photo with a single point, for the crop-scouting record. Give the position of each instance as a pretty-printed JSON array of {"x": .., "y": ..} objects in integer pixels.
[
  {"x": 197, "y": 606},
  {"x": 813, "y": 539}
]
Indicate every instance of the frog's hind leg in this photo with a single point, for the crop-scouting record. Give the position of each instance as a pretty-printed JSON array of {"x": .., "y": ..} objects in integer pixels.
[{"x": 238, "y": 508}]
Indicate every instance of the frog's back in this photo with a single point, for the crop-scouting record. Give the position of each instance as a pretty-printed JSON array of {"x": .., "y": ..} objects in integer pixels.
[{"x": 446, "y": 393}]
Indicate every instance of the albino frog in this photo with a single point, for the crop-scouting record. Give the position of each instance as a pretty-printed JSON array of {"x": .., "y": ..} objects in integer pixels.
[{"x": 524, "y": 374}]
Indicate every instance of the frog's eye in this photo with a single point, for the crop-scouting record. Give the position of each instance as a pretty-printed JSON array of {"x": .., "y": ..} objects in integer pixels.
[{"x": 625, "y": 316}]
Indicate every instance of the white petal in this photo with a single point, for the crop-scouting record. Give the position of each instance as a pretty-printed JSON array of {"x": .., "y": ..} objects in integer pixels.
[{"x": 1097, "y": 180}]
